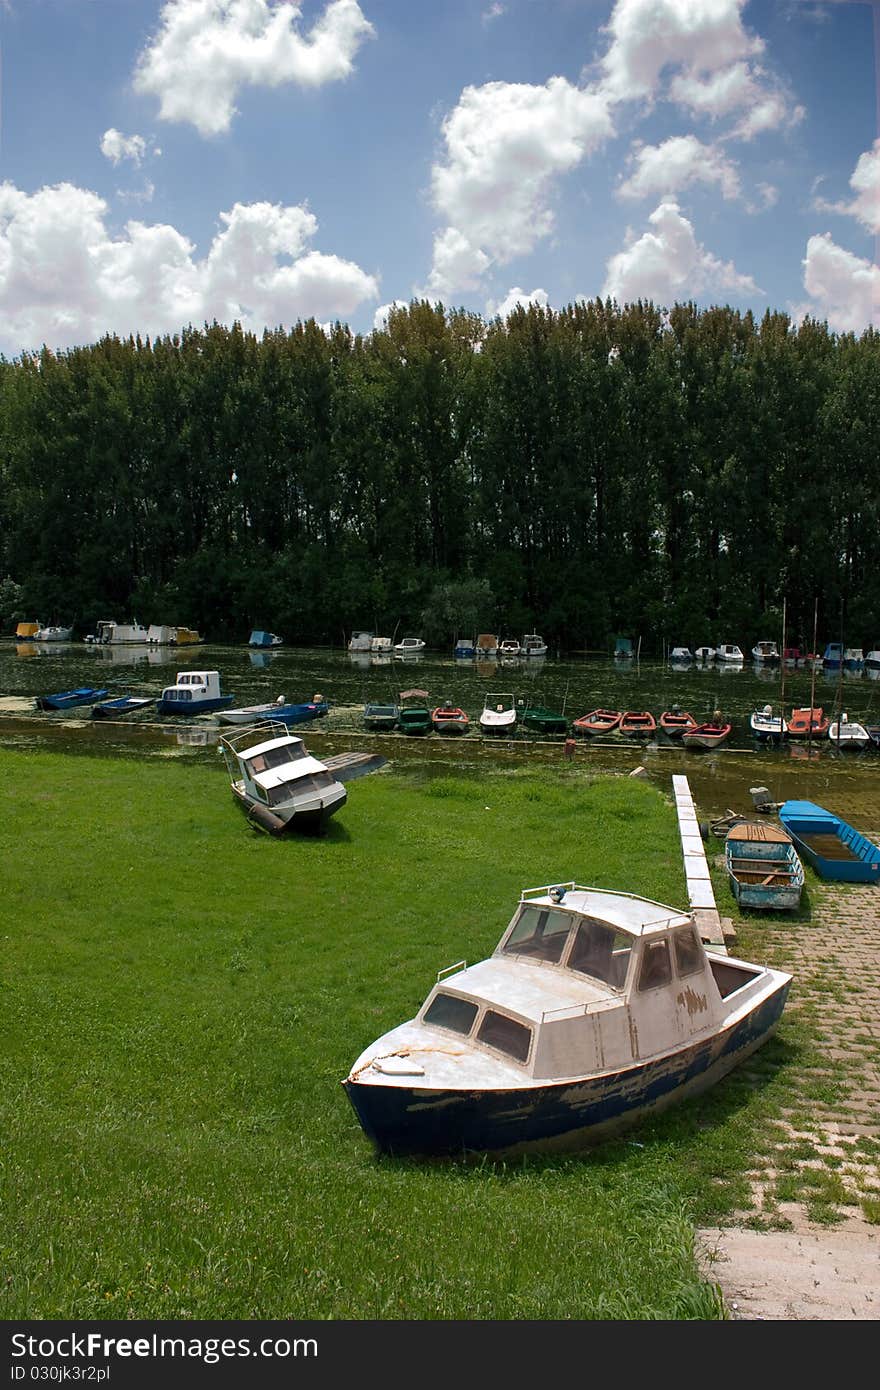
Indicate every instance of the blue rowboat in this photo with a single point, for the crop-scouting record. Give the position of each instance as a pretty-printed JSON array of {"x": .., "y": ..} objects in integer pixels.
[
  {"x": 835, "y": 849},
  {"x": 66, "y": 699},
  {"x": 763, "y": 866},
  {"x": 124, "y": 704}
]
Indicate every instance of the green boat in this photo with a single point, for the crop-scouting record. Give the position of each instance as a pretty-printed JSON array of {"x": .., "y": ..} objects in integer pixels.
[
  {"x": 380, "y": 718},
  {"x": 413, "y": 715},
  {"x": 541, "y": 720}
]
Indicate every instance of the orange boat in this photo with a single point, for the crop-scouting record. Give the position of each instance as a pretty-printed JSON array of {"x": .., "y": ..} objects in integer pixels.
[
  {"x": 598, "y": 721},
  {"x": 676, "y": 722},
  {"x": 637, "y": 723},
  {"x": 449, "y": 719},
  {"x": 807, "y": 723}
]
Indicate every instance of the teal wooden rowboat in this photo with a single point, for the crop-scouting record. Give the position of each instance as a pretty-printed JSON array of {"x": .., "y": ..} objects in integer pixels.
[
  {"x": 835, "y": 849},
  {"x": 763, "y": 867}
]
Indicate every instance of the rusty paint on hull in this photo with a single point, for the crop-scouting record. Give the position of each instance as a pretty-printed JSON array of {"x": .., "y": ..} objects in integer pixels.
[{"x": 565, "y": 1115}]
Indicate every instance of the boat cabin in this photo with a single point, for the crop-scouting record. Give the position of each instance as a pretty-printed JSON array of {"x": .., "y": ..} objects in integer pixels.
[
  {"x": 581, "y": 981},
  {"x": 193, "y": 692},
  {"x": 729, "y": 651},
  {"x": 360, "y": 642}
]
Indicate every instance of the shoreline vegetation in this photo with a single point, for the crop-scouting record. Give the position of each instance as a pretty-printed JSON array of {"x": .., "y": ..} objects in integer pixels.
[
  {"x": 582, "y": 473},
  {"x": 181, "y": 998}
]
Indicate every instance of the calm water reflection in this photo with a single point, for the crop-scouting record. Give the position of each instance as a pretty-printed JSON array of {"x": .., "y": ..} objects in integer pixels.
[{"x": 848, "y": 782}]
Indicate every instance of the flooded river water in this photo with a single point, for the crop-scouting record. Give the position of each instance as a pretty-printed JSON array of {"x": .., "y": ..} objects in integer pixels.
[{"x": 846, "y": 782}]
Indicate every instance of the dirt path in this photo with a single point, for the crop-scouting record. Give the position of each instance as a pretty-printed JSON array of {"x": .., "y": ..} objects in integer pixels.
[{"x": 819, "y": 1178}]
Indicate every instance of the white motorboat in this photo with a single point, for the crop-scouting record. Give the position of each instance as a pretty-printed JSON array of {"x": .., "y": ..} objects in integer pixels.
[
  {"x": 766, "y": 725},
  {"x": 728, "y": 651},
  {"x": 704, "y": 654},
  {"x": 765, "y": 651},
  {"x": 277, "y": 783},
  {"x": 360, "y": 642},
  {"x": 680, "y": 655},
  {"x": 533, "y": 645},
  {"x": 409, "y": 646},
  {"x": 499, "y": 714},
  {"x": 595, "y": 1010},
  {"x": 52, "y": 634},
  {"x": 847, "y": 733},
  {"x": 509, "y": 647},
  {"x": 109, "y": 633}
]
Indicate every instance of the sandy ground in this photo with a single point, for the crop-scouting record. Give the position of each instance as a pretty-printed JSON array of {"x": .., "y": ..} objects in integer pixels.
[{"x": 804, "y": 1274}]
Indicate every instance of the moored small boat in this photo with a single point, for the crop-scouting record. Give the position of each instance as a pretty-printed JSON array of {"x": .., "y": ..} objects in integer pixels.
[
  {"x": 450, "y": 719},
  {"x": 53, "y": 633},
  {"x": 598, "y": 721},
  {"x": 413, "y": 714},
  {"x": 596, "y": 1009},
  {"x": 122, "y": 705},
  {"x": 509, "y": 647},
  {"x": 710, "y": 734},
  {"x": 763, "y": 866},
  {"x": 486, "y": 645},
  {"x": 808, "y": 723},
  {"x": 853, "y": 658},
  {"x": 540, "y": 720},
  {"x": 836, "y": 850},
  {"x": 833, "y": 655},
  {"x": 766, "y": 651},
  {"x": 675, "y": 722},
  {"x": 730, "y": 652},
  {"x": 381, "y": 718},
  {"x": 533, "y": 645},
  {"x": 285, "y": 711},
  {"x": 681, "y": 655},
  {"x": 409, "y": 646},
  {"x": 637, "y": 724},
  {"x": 464, "y": 649},
  {"x": 499, "y": 713},
  {"x": 848, "y": 733},
  {"x": 767, "y": 726},
  {"x": 258, "y": 638},
  {"x": 195, "y": 692},
  {"x": 872, "y": 660},
  {"x": 69, "y": 699},
  {"x": 704, "y": 655}
]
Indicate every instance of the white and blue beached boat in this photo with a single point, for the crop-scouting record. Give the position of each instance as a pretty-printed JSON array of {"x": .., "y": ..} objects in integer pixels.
[
  {"x": 285, "y": 711},
  {"x": 595, "y": 1010},
  {"x": 763, "y": 866},
  {"x": 195, "y": 692},
  {"x": 835, "y": 849}
]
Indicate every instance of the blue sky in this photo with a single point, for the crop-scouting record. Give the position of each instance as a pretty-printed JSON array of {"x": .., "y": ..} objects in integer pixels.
[{"x": 165, "y": 162}]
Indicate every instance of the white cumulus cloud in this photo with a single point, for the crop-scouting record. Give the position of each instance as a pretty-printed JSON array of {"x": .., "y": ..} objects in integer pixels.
[
  {"x": 64, "y": 279},
  {"x": 865, "y": 183},
  {"x": 667, "y": 264},
  {"x": 505, "y": 143},
  {"x": 517, "y": 298},
  {"x": 649, "y": 36},
  {"x": 843, "y": 288},
  {"x": 115, "y": 146},
  {"x": 680, "y": 161},
  {"x": 205, "y": 50}
]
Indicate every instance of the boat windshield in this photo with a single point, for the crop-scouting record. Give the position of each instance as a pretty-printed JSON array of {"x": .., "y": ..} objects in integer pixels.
[
  {"x": 275, "y": 757},
  {"x": 299, "y": 786},
  {"x": 601, "y": 952},
  {"x": 539, "y": 933}
]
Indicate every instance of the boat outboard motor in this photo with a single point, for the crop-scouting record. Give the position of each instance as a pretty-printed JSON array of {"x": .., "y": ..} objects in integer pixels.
[{"x": 762, "y": 801}]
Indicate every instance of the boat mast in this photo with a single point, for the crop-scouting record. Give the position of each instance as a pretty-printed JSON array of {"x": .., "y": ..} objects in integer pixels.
[
  {"x": 813, "y": 680},
  {"x": 782, "y": 674}
]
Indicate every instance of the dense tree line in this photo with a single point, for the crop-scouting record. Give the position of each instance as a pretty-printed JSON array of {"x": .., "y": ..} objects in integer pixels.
[{"x": 585, "y": 472}]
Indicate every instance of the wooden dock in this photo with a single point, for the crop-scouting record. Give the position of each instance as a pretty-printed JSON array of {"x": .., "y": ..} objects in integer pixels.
[{"x": 699, "y": 884}]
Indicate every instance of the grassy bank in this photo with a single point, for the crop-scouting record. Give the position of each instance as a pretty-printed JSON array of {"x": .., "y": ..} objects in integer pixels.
[{"x": 180, "y": 998}]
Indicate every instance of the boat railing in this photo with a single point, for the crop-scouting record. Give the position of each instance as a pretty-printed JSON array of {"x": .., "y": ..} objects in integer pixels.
[
  {"x": 260, "y": 732},
  {"x": 569, "y": 1010},
  {"x": 451, "y": 969}
]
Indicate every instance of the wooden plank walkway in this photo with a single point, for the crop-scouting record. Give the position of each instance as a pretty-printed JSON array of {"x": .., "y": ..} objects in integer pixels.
[{"x": 699, "y": 884}]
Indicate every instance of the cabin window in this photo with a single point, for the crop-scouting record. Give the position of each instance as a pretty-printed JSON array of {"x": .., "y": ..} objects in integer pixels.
[
  {"x": 656, "y": 966},
  {"x": 540, "y": 933},
  {"x": 600, "y": 951},
  {"x": 688, "y": 951},
  {"x": 449, "y": 1011},
  {"x": 505, "y": 1034}
]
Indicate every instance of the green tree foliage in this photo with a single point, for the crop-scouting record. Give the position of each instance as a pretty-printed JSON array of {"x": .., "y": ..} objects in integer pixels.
[{"x": 595, "y": 470}]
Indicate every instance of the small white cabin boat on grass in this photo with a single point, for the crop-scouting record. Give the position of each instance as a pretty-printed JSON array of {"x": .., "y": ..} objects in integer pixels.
[
  {"x": 595, "y": 1010},
  {"x": 499, "y": 713},
  {"x": 195, "y": 692},
  {"x": 277, "y": 783}
]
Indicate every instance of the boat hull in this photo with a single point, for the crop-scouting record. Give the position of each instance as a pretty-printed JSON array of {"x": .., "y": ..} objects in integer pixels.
[
  {"x": 310, "y": 820},
  {"x": 112, "y": 709},
  {"x": 69, "y": 699},
  {"x": 190, "y": 707},
  {"x": 571, "y": 1114}
]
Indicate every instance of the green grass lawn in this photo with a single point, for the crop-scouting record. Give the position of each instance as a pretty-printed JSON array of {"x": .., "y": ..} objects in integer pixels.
[{"x": 180, "y": 998}]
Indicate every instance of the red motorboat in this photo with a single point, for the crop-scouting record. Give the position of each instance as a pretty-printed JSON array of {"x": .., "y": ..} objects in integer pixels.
[
  {"x": 598, "y": 721},
  {"x": 807, "y": 723},
  {"x": 675, "y": 722},
  {"x": 637, "y": 723},
  {"x": 707, "y": 735},
  {"x": 449, "y": 719}
]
